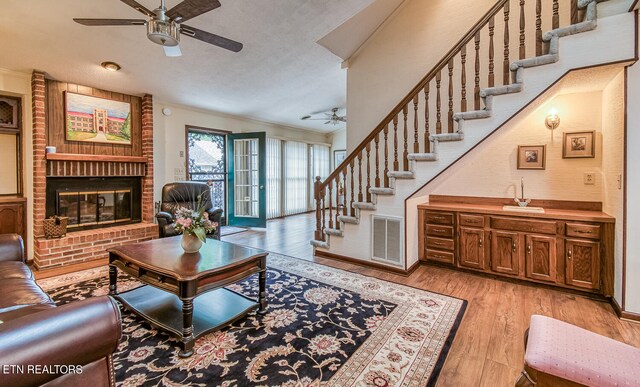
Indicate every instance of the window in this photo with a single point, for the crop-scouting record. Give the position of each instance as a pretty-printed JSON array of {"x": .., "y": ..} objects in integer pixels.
[
  {"x": 206, "y": 161},
  {"x": 291, "y": 170}
]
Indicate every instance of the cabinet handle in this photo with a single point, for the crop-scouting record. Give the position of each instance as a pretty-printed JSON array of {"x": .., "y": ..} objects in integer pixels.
[
  {"x": 583, "y": 232},
  {"x": 438, "y": 217},
  {"x": 569, "y": 254},
  {"x": 529, "y": 249},
  {"x": 480, "y": 242},
  {"x": 514, "y": 246},
  {"x": 438, "y": 243}
]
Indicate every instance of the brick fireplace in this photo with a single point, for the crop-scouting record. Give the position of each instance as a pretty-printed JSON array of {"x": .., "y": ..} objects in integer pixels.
[{"x": 106, "y": 190}]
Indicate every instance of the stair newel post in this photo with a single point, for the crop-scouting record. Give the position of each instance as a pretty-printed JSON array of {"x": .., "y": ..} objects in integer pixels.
[
  {"x": 385, "y": 172},
  {"x": 416, "y": 141},
  {"x": 438, "y": 103},
  {"x": 339, "y": 189},
  {"x": 450, "y": 111},
  {"x": 492, "y": 26},
  {"x": 476, "y": 88},
  {"x": 506, "y": 72},
  {"x": 523, "y": 51},
  {"x": 396, "y": 165},
  {"x": 556, "y": 16},
  {"x": 463, "y": 78},
  {"x": 376, "y": 182},
  {"x": 368, "y": 194},
  {"x": 538, "y": 27},
  {"x": 360, "y": 196},
  {"x": 353, "y": 189},
  {"x": 344, "y": 192},
  {"x": 405, "y": 153},
  {"x": 427, "y": 143},
  {"x": 330, "y": 204},
  {"x": 316, "y": 193}
]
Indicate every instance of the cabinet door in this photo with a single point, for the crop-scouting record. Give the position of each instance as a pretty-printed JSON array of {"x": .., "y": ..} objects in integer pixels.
[
  {"x": 504, "y": 252},
  {"x": 471, "y": 247},
  {"x": 11, "y": 218},
  {"x": 540, "y": 258},
  {"x": 583, "y": 263}
]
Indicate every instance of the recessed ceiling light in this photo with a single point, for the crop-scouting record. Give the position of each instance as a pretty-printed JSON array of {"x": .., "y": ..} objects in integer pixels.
[{"x": 111, "y": 66}]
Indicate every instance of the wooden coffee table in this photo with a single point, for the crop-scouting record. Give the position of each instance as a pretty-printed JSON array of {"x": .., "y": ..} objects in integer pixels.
[{"x": 184, "y": 293}]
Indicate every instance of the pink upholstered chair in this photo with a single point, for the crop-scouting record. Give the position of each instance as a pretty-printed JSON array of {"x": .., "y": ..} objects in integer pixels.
[{"x": 560, "y": 354}]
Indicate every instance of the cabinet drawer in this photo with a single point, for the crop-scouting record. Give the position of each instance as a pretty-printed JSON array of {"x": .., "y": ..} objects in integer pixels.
[
  {"x": 440, "y": 231},
  {"x": 471, "y": 220},
  {"x": 440, "y": 256},
  {"x": 524, "y": 225},
  {"x": 445, "y": 218},
  {"x": 583, "y": 230},
  {"x": 439, "y": 243}
]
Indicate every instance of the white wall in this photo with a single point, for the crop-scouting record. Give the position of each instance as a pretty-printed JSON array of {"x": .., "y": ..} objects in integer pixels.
[
  {"x": 632, "y": 289},
  {"x": 399, "y": 54},
  {"x": 19, "y": 84},
  {"x": 169, "y": 137},
  {"x": 338, "y": 142},
  {"x": 613, "y": 167},
  {"x": 8, "y": 164}
]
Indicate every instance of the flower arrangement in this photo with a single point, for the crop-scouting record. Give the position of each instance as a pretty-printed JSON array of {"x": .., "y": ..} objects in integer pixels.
[{"x": 194, "y": 221}]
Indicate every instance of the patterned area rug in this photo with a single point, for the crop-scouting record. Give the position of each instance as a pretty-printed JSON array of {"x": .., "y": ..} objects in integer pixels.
[{"x": 324, "y": 326}]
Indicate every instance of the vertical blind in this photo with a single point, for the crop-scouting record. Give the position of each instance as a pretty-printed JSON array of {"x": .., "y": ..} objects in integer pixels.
[
  {"x": 296, "y": 177},
  {"x": 291, "y": 170},
  {"x": 274, "y": 178}
]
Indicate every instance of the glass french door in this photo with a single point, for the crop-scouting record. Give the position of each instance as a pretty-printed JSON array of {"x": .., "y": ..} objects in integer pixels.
[
  {"x": 247, "y": 179},
  {"x": 206, "y": 162}
]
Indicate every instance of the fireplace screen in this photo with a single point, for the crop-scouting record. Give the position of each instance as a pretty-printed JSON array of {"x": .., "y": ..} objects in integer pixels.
[{"x": 95, "y": 207}]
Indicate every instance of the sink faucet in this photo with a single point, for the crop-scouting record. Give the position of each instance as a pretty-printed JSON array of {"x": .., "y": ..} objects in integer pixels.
[{"x": 522, "y": 202}]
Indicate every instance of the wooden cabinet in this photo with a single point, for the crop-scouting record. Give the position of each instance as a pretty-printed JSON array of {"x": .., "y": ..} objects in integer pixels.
[
  {"x": 582, "y": 260},
  {"x": 565, "y": 248},
  {"x": 13, "y": 216},
  {"x": 505, "y": 257},
  {"x": 472, "y": 248},
  {"x": 540, "y": 258}
]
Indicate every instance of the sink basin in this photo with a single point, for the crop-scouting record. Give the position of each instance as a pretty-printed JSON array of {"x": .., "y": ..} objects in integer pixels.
[{"x": 537, "y": 210}]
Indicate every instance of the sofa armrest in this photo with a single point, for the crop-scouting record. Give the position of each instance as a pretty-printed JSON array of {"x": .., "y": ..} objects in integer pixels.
[
  {"x": 11, "y": 248},
  {"x": 164, "y": 217},
  {"x": 75, "y": 334}
]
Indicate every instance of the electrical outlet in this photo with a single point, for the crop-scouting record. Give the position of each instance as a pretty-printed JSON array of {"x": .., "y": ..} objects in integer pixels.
[
  {"x": 181, "y": 153},
  {"x": 589, "y": 178}
]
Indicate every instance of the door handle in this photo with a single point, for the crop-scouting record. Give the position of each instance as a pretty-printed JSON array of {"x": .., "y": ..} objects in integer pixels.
[{"x": 262, "y": 187}]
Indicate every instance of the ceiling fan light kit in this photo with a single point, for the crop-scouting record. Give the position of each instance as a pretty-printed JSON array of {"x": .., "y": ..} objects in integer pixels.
[{"x": 164, "y": 26}]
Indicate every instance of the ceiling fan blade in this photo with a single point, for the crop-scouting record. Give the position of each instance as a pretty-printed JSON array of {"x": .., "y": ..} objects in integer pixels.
[
  {"x": 210, "y": 38},
  {"x": 172, "y": 51},
  {"x": 328, "y": 122},
  {"x": 189, "y": 9},
  {"x": 139, "y": 7},
  {"x": 313, "y": 119},
  {"x": 343, "y": 119},
  {"x": 111, "y": 22}
]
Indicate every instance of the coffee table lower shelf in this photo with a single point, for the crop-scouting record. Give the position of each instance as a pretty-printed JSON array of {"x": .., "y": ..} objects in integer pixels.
[{"x": 211, "y": 311}]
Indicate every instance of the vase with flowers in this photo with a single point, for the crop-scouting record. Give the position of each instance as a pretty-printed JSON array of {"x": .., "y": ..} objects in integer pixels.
[{"x": 194, "y": 224}]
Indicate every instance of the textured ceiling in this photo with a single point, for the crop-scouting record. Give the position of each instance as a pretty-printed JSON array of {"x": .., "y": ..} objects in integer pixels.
[{"x": 279, "y": 76}]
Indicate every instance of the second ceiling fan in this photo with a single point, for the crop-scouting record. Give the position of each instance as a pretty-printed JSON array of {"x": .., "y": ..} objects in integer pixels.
[{"x": 165, "y": 26}]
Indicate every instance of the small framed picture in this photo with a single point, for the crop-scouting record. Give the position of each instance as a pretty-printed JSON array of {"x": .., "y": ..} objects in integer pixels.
[
  {"x": 338, "y": 157},
  {"x": 579, "y": 145},
  {"x": 532, "y": 156}
]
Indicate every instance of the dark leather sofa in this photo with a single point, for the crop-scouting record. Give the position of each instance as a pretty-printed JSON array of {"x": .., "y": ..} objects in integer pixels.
[
  {"x": 35, "y": 334},
  {"x": 184, "y": 194}
]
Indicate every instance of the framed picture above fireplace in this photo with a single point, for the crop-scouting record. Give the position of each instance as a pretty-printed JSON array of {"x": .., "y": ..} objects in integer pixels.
[{"x": 95, "y": 119}]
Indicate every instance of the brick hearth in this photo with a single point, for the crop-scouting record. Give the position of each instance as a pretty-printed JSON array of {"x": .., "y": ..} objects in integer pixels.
[{"x": 88, "y": 245}]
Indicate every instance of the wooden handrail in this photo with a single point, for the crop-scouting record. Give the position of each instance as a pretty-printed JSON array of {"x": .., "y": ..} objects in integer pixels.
[{"x": 418, "y": 88}]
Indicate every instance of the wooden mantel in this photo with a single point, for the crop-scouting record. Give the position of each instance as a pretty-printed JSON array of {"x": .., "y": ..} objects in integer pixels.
[{"x": 86, "y": 157}]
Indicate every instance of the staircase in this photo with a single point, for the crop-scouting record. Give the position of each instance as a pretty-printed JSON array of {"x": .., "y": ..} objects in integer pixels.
[{"x": 423, "y": 135}]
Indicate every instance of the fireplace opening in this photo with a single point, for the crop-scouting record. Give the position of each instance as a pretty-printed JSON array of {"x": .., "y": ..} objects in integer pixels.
[{"x": 95, "y": 202}]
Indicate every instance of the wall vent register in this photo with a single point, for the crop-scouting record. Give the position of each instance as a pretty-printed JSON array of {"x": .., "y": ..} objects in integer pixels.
[{"x": 387, "y": 239}]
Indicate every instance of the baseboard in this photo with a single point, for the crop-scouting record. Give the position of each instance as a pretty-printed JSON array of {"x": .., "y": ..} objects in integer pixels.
[
  {"x": 373, "y": 265},
  {"x": 624, "y": 315}
]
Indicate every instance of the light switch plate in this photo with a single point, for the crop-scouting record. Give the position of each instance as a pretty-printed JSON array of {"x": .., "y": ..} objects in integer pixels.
[
  {"x": 589, "y": 178},
  {"x": 181, "y": 153}
]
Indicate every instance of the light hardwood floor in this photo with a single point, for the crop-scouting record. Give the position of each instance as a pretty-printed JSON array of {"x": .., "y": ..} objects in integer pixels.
[{"x": 488, "y": 348}]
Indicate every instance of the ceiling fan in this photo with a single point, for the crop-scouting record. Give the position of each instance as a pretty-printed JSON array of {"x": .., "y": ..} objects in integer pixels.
[
  {"x": 165, "y": 26},
  {"x": 333, "y": 117}
]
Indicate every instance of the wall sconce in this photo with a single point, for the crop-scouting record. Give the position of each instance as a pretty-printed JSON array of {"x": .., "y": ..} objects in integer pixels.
[{"x": 552, "y": 121}]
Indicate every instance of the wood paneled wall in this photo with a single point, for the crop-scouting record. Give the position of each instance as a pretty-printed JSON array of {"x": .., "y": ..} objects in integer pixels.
[{"x": 56, "y": 121}]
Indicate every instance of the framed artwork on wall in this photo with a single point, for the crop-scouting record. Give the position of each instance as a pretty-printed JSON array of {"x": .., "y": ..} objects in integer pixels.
[
  {"x": 532, "y": 156},
  {"x": 579, "y": 145},
  {"x": 95, "y": 119},
  {"x": 338, "y": 157}
]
